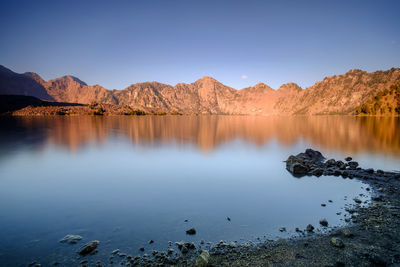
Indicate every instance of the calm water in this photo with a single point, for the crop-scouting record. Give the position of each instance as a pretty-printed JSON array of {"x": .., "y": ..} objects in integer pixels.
[{"x": 126, "y": 180}]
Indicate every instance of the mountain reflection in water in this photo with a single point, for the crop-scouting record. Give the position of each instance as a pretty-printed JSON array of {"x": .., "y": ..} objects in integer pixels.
[{"x": 342, "y": 133}]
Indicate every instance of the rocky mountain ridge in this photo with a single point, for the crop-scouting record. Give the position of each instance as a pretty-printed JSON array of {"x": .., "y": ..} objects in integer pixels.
[{"x": 338, "y": 94}]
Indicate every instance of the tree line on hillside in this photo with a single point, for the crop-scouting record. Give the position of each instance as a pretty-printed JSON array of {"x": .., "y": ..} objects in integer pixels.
[{"x": 386, "y": 102}]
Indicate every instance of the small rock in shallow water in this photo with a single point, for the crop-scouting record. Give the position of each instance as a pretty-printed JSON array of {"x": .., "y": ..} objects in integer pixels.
[
  {"x": 323, "y": 205},
  {"x": 151, "y": 241},
  {"x": 348, "y": 159},
  {"x": 202, "y": 259},
  {"x": 337, "y": 242},
  {"x": 229, "y": 219},
  {"x": 141, "y": 249},
  {"x": 357, "y": 201},
  {"x": 88, "y": 247},
  {"x": 71, "y": 239},
  {"x": 191, "y": 231},
  {"x": 323, "y": 222},
  {"x": 282, "y": 229},
  {"x": 310, "y": 228},
  {"x": 115, "y": 251}
]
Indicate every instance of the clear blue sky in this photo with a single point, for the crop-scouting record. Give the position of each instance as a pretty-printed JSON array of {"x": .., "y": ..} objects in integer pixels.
[{"x": 116, "y": 43}]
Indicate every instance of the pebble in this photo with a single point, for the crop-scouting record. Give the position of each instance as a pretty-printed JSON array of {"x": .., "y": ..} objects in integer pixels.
[{"x": 337, "y": 242}]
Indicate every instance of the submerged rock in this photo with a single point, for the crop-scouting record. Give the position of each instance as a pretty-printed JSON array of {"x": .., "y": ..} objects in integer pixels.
[
  {"x": 71, "y": 239},
  {"x": 88, "y": 247}
]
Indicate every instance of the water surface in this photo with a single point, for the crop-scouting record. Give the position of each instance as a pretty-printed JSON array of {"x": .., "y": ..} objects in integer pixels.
[{"x": 126, "y": 180}]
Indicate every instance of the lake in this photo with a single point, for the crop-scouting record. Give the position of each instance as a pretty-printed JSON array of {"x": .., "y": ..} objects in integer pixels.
[{"x": 127, "y": 180}]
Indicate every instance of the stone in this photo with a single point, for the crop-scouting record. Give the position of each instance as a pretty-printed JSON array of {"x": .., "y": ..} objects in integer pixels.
[
  {"x": 184, "y": 250},
  {"x": 352, "y": 164},
  {"x": 141, "y": 249},
  {"x": 323, "y": 205},
  {"x": 115, "y": 251},
  {"x": 298, "y": 169},
  {"x": 357, "y": 201},
  {"x": 317, "y": 172},
  {"x": 341, "y": 164},
  {"x": 323, "y": 222},
  {"x": 170, "y": 251},
  {"x": 282, "y": 229},
  {"x": 151, "y": 241},
  {"x": 191, "y": 231},
  {"x": 380, "y": 172},
  {"x": 370, "y": 171},
  {"x": 71, "y": 239},
  {"x": 202, "y": 259},
  {"x": 337, "y": 242},
  {"x": 229, "y": 219},
  {"x": 310, "y": 228},
  {"x": 346, "y": 232},
  {"x": 348, "y": 159},
  {"x": 88, "y": 247},
  {"x": 331, "y": 162}
]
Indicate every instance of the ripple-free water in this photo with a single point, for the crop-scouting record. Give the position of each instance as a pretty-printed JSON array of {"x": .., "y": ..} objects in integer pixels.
[{"x": 127, "y": 180}]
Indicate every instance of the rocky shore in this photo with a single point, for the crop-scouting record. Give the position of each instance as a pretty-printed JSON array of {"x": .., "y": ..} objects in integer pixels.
[{"x": 371, "y": 237}]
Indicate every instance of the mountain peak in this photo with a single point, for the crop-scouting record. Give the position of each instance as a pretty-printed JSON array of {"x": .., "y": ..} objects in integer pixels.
[
  {"x": 207, "y": 79},
  {"x": 70, "y": 78},
  {"x": 35, "y": 76},
  {"x": 290, "y": 87}
]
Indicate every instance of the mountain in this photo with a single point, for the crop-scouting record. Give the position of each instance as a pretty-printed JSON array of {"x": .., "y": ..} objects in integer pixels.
[
  {"x": 12, "y": 83},
  {"x": 339, "y": 94}
]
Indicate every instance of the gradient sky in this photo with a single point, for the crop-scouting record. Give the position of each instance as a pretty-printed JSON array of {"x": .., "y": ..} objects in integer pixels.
[{"x": 240, "y": 43}]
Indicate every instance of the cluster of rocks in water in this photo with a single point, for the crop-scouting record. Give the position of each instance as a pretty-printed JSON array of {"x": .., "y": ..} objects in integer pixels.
[
  {"x": 374, "y": 239},
  {"x": 312, "y": 162}
]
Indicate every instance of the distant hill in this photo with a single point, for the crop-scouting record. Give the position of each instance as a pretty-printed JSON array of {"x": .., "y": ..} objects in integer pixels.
[{"x": 339, "y": 94}]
